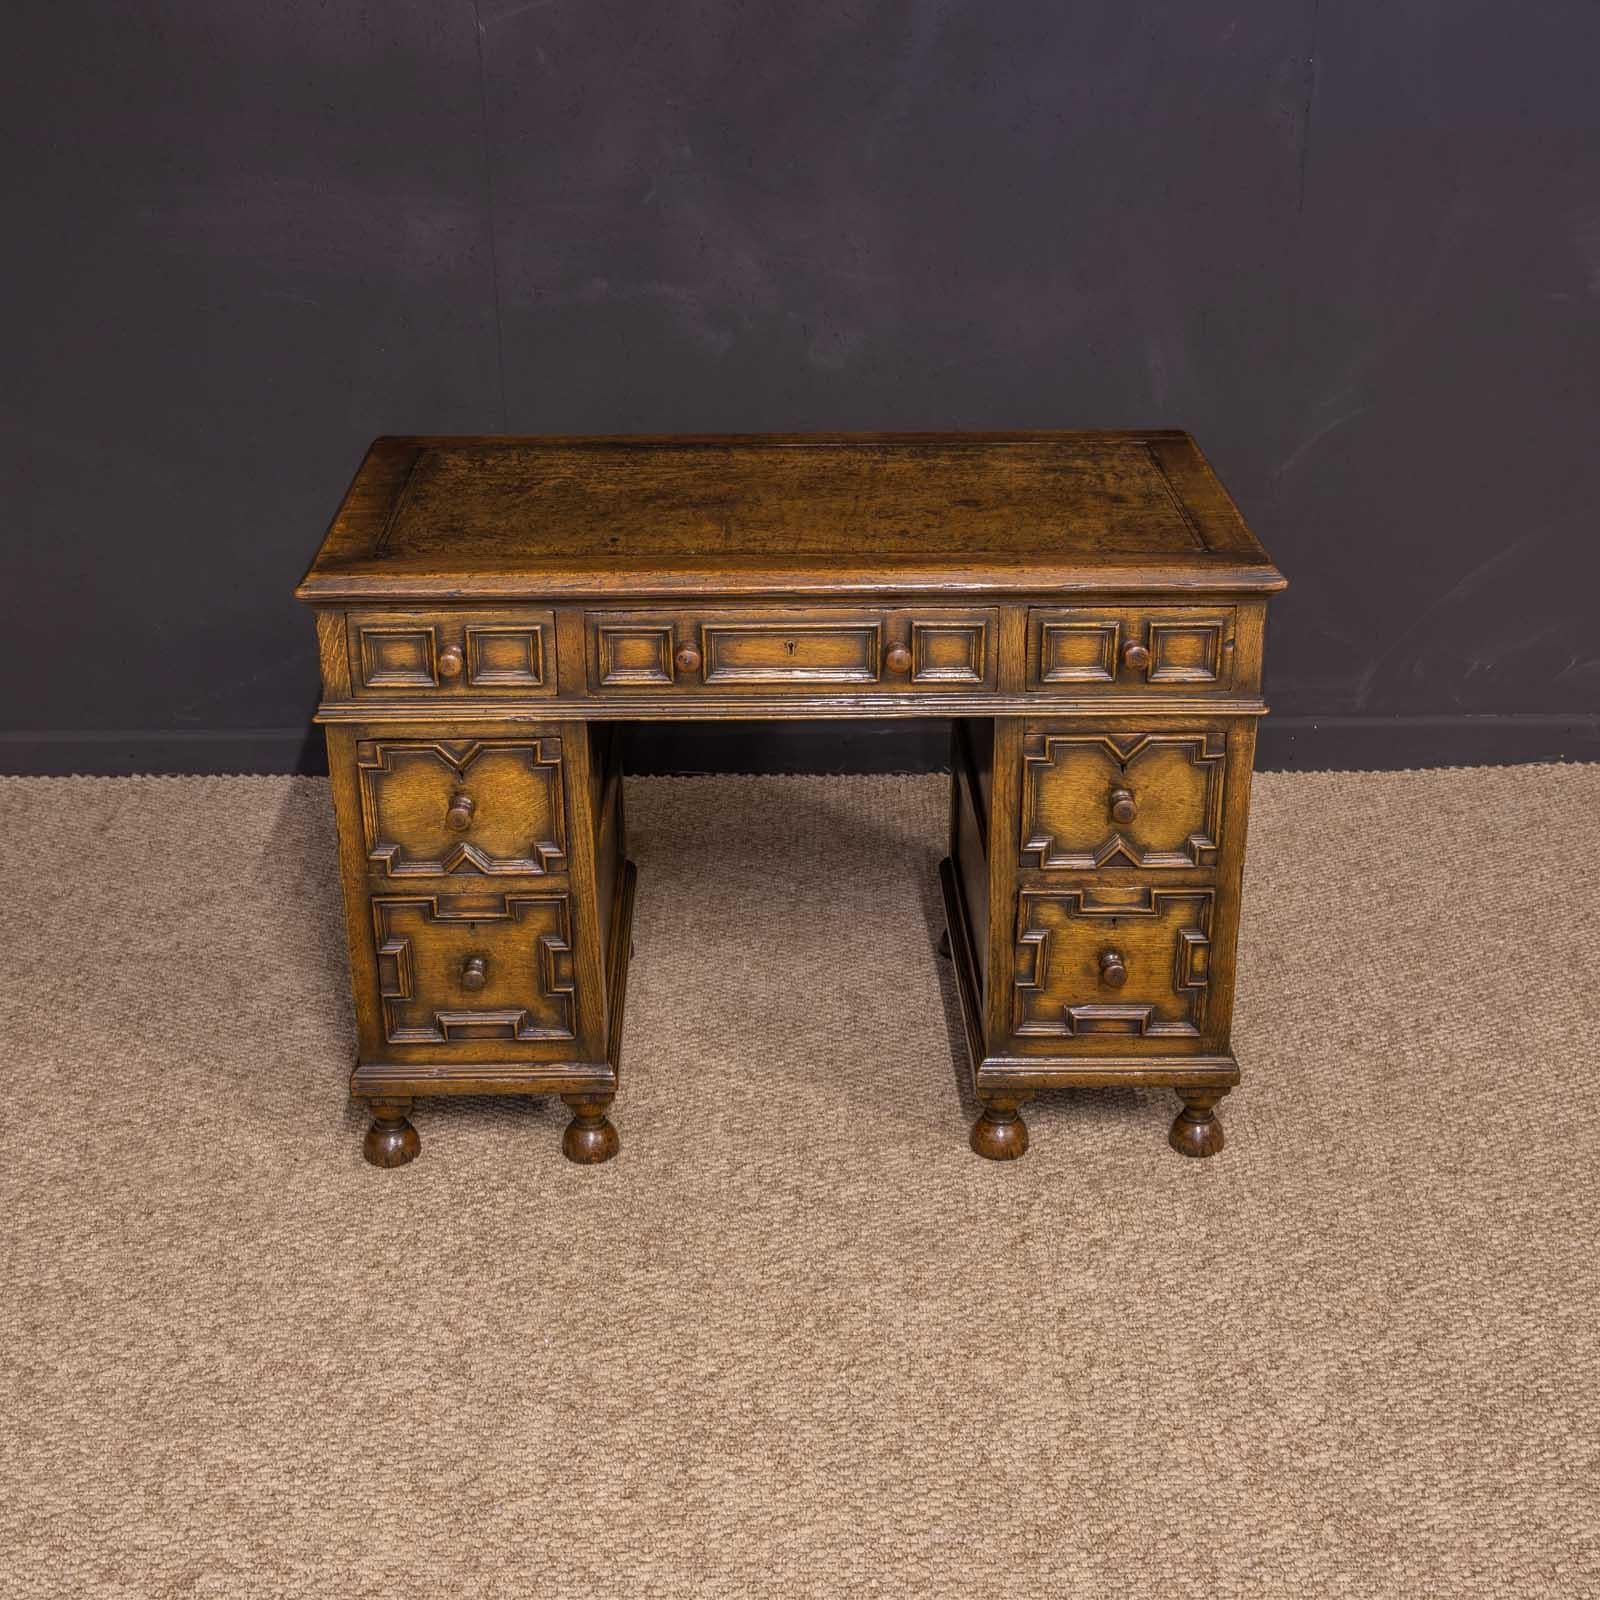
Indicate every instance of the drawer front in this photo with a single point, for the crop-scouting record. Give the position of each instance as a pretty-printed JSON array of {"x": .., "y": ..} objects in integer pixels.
[
  {"x": 1140, "y": 800},
  {"x": 1174, "y": 648},
  {"x": 796, "y": 651},
  {"x": 492, "y": 806},
  {"x": 1112, "y": 968},
  {"x": 474, "y": 977},
  {"x": 452, "y": 655}
]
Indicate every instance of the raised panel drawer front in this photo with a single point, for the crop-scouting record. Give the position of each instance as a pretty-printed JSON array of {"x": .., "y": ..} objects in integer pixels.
[
  {"x": 474, "y": 975},
  {"x": 1148, "y": 800},
  {"x": 462, "y": 806},
  {"x": 793, "y": 650},
  {"x": 1170, "y": 648},
  {"x": 1125, "y": 968},
  {"x": 397, "y": 655}
]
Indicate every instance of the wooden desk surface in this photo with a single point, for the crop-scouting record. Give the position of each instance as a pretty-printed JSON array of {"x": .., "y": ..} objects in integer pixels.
[{"x": 502, "y": 518}]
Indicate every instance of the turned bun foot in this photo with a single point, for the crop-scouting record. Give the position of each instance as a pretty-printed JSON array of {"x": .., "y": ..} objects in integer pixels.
[
  {"x": 1000, "y": 1134},
  {"x": 391, "y": 1140},
  {"x": 944, "y": 944},
  {"x": 1195, "y": 1130},
  {"x": 589, "y": 1137}
]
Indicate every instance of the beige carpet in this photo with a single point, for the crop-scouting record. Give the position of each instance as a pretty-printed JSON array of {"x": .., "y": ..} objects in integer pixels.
[{"x": 797, "y": 1340}]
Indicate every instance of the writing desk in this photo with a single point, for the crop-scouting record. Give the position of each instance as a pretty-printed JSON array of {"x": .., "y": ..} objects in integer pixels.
[{"x": 1087, "y": 609}]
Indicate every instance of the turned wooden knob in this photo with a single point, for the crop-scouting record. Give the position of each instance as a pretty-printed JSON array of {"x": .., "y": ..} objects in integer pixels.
[
  {"x": 688, "y": 658},
  {"x": 1113, "y": 970},
  {"x": 1135, "y": 657},
  {"x": 450, "y": 662},
  {"x": 459, "y": 816},
  {"x": 898, "y": 658},
  {"x": 474, "y": 972},
  {"x": 1123, "y": 806}
]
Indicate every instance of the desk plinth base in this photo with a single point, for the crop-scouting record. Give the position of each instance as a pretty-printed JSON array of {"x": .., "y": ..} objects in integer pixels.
[
  {"x": 1002, "y": 1085},
  {"x": 587, "y": 1087}
]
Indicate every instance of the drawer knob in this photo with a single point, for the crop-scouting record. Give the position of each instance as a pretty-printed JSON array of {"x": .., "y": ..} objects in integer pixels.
[
  {"x": 1123, "y": 806},
  {"x": 474, "y": 972},
  {"x": 459, "y": 816},
  {"x": 1135, "y": 656},
  {"x": 898, "y": 658},
  {"x": 450, "y": 662},
  {"x": 1113, "y": 970},
  {"x": 688, "y": 658}
]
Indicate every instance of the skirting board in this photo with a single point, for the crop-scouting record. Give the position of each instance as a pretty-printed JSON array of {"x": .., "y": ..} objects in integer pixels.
[{"x": 1285, "y": 743}]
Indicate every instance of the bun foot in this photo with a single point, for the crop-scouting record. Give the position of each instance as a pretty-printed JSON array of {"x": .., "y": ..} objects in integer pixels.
[
  {"x": 1000, "y": 1134},
  {"x": 391, "y": 1140},
  {"x": 1195, "y": 1130},
  {"x": 589, "y": 1137},
  {"x": 944, "y": 944}
]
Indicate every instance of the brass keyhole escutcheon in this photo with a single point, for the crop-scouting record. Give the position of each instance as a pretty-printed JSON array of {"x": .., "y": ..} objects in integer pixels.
[{"x": 790, "y": 646}]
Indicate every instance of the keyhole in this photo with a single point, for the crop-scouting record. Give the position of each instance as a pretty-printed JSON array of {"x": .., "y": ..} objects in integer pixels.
[{"x": 788, "y": 644}]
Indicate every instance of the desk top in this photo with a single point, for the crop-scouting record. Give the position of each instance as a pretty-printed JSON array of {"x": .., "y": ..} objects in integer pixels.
[{"x": 442, "y": 518}]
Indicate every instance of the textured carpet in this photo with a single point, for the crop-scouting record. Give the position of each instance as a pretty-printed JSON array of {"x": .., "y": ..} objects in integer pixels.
[{"x": 797, "y": 1340}]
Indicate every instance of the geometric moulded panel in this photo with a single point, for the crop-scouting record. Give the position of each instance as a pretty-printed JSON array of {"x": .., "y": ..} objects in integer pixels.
[
  {"x": 398, "y": 657},
  {"x": 632, "y": 655},
  {"x": 505, "y": 655},
  {"x": 789, "y": 652},
  {"x": 1132, "y": 963},
  {"x": 949, "y": 652},
  {"x": 1187, "y": 651},
  {"x": 1094, "y": 800},
  {"x": 1079, "y": 651},
  {"x": 431, "y": 807},
  {"x": 471, "y": 968}
]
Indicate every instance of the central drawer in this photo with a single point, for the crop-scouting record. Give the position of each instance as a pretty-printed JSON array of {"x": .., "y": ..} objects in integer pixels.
[{"x": 792, "y": 650}]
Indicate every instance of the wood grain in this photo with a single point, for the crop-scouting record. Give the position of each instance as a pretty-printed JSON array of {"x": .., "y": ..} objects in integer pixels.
[{"x": 493, "y": 518}]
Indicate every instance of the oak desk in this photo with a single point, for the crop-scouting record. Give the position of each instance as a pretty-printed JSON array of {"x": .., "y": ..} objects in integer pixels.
[{"x": 1086, "y": 609}]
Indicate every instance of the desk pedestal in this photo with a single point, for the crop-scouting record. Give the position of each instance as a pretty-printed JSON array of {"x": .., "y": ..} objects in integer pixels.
[{"x": 1091, "y": 896}]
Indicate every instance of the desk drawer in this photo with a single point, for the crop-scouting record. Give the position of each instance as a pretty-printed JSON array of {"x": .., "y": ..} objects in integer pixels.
[
  {"x": 397, "y": 655},
  {"x": 1122, "y": 798},
  {"x": 1113, "y": 968},
  {"x": 473, "y": 976},
  {"x": 462, "y": 807},
  {"x": 792, "y": 650},
  {"x": 1177, "y": 648}
]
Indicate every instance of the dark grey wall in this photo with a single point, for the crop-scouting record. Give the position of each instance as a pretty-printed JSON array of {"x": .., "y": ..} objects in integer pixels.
[{"x": 1354, "y": 248}]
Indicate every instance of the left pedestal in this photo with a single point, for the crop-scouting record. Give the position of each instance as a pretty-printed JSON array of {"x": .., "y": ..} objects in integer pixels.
[{"x": 489, "y": 908}]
